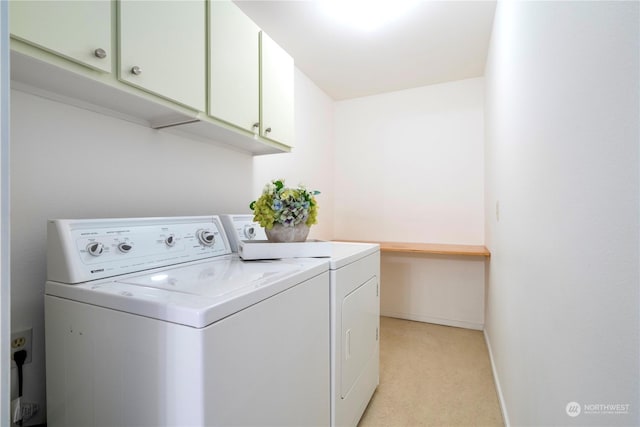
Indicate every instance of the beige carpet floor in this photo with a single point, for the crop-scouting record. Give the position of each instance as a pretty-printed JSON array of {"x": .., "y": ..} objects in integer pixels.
[{"x": 432, "y": 375}]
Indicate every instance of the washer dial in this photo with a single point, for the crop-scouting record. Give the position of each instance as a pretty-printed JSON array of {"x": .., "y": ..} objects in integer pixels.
[
  {"x": 206, "y": 237},
  {"x": 95, "y": 248},
  {"x": 170, "y": 240},
  {"x": 125, "y": 247}
]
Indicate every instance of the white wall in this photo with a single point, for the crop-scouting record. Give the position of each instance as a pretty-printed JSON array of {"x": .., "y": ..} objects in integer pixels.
[
  {"x": 409, "y": 165},
  {"x": 562, "y": 136},
  {"x": 72, "y": 163},
  {"x": 311, "y": 161},
  {"x": 5, "y": 283},
  {"x": 446, "y": 290}
]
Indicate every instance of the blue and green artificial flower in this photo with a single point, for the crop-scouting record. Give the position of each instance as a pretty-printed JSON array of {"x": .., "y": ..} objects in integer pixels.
[{"x": 286, "y": 206}]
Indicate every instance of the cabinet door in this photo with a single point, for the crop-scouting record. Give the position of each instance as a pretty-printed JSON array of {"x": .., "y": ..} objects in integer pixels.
[
  {"x": 233, "y": 66},
  {"x": 162, "y": 49},
  {"x": 276, "y": 92},
  {"x": 76, "y": 30}
]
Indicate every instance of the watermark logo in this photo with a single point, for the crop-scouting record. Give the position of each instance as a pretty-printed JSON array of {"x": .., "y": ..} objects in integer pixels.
[{"x": 573, "y": 409}]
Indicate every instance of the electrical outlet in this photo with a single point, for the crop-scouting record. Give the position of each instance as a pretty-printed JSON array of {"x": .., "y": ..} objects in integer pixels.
[{"x": 22, "y": 340}]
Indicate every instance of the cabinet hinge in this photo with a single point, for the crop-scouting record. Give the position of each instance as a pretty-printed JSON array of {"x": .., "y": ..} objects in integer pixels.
[
  {"x": 376, "y": 334},
  {"x": 377, "y": 289}
]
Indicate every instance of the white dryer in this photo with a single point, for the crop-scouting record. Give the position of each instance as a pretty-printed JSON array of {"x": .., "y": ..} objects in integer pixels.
[
  {"x": 355, "y": 321},
  {"x": 242, "y": 227},
  {"x": 151, "y": 322},
  {"x": 355, "y": 329}
]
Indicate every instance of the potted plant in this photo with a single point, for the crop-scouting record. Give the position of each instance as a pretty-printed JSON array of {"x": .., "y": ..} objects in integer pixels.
[{"x": 285, "y": 213}]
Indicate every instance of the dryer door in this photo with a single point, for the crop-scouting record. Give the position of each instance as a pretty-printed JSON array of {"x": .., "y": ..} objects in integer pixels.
[{"x": 360, "y": 318}]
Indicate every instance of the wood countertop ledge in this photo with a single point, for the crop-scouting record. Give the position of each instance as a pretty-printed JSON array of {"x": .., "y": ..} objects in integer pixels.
[{"x": 432, "y": 248}]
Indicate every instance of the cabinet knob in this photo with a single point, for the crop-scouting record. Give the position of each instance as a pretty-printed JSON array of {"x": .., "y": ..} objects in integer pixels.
[
  {"x": 256, "y": 125},
  {"x": 267, "y": 130},
  {"x": 100, "y": 53},
  {"x": 136, "y": 70}
]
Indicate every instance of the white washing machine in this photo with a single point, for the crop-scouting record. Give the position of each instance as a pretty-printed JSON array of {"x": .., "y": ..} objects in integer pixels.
[
  {"x": 355, "y": 322},
  {"x": 151, "y": 322}
]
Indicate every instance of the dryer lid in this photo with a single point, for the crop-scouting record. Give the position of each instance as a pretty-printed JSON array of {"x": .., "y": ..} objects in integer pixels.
[{"x": 345, "y": 253}]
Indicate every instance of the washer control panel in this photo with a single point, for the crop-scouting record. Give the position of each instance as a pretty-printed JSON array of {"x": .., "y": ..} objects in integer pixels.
[
  {"x": 242, "y": 227},
  {"x": 83, "y": 250}
]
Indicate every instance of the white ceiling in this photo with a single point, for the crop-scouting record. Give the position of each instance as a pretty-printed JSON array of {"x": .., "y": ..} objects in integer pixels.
[{"x": 437, "y": 41}]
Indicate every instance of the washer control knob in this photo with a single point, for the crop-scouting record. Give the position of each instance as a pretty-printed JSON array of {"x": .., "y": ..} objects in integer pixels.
[
  {"x": 95, "y": 248},
  {"x": 170, "y": 240},
  {"x": 125, "y": 247},
  {"x": 249, "y": 231},
  {"x": 206, "y": 237}
]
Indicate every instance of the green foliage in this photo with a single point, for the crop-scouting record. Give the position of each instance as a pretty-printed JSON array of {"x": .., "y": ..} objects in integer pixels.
[{"x": 287, "y": 206}]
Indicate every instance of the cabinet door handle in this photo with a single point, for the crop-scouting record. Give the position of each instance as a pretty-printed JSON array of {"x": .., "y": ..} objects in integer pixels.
[
  {"x": 100, "y": 53},
  {"x": 267, "y": 130},
  {"x": 136, "y": 70}
]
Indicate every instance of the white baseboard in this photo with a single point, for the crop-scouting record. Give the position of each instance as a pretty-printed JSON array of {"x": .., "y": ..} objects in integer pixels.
[
  {"x": 496, "y": 380},
  {"x": 437, "y": 320}
]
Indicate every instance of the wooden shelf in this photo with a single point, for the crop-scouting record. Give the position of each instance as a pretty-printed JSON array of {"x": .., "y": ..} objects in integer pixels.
[{"x": 432, "y": 248}]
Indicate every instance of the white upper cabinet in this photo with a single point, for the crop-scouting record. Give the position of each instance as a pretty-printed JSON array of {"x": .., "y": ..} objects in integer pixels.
[
  {"x": 250, "y": 76},
  {"x": 162, "y": 49},
  {"x": 276, "y": 92},
  {"x": 233, "y": 66},
  {"x": 202, "y": 65},
  {"x": 77, "y": 30}
]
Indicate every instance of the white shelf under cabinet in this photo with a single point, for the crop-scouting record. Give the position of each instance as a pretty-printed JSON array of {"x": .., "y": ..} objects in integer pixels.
[
  {"x": 209, "y": 128},
  {"x": 41, "y": 74},
  {"x": 42, "y": 78}
]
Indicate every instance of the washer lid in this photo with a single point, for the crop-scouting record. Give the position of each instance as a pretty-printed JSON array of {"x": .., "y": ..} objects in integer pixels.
[
  {"x": 196, "y": 294},
  {"x": 214, "y": 279}
]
